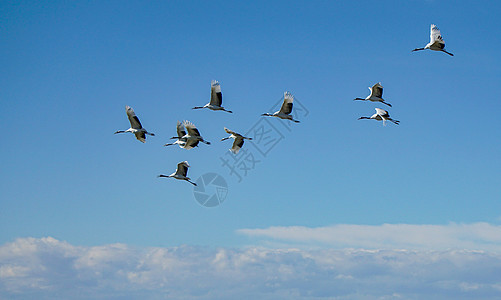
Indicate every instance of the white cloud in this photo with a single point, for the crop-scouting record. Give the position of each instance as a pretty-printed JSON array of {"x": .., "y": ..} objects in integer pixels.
[
  {"x": 46, "y": 268},
  {"x": 477, "y": 236}
]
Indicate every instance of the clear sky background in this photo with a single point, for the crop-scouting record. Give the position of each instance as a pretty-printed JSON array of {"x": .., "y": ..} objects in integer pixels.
[{"x": 69, "y": 69}]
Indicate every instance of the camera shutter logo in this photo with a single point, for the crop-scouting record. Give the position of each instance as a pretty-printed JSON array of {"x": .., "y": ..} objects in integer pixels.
[{"x": 211, "y": 190}]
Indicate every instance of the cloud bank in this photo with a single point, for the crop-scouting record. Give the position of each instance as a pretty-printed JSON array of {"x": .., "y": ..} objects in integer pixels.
[
  {"x": 477, "y": 236},
  {"x": 46, "y": 268}
]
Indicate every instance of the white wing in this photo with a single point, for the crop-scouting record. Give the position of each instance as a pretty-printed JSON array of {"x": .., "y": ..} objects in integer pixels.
[
  {"x": 216, "y": 97},
  {"x": 192, "y": 129},
  {"x": 382, "y": 112},
  {"x": 435, "y": 35},
  {"x": 180, "y": 130},
  {"x": 287, "y": 105},
  {"x": 133, "y": 119}
]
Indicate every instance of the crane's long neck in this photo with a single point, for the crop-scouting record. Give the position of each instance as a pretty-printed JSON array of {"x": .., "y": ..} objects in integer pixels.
[{"x": 122, "y": 131}]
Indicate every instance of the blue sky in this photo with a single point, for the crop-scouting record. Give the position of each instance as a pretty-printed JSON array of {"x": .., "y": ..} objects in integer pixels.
[{"x": 69, "y": 69}]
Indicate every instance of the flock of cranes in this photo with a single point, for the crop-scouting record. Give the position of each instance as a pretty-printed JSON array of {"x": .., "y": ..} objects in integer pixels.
[
  {"x": 436, "y": 44},
  {"x": 189, "y": 137}
]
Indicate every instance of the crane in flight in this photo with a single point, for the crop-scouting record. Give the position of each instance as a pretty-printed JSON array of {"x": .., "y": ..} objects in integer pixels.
[
  {"x": 181, "y": 140},
  {"x": 376, "y": 94},
  {"x": 238, "y": 142},
  {"x": 181, "y": 173},
  {"x": 135, "y": 126},
  {"x": 381, "y": 115},
  {"x": 436, "y": 41},
  {"x": 285, "y": 110},
  {"x": 216, "y": 98},
  {"x": 190, "y": 139}
]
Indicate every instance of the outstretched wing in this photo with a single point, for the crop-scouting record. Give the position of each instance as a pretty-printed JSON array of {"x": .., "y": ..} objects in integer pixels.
[
  {"x": 383, "y": 113},
  {"x": 216, "y": 97},
  {"x": 192, "y": 129},
  {"x": 182, "y": 168},
  {"x": 287, "y": 105},
  {"x": 190, "y": 144},
  {"x": 133, "y": 119},
  {"x": 435, "y": 35},
  {"x": 237, "y": 144},
  {"x": 180, "y": 130},
  {"x": 377, "y": 90},
  {"x": 230, "y": 132},
  {"x": 140, "y": 135}
]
